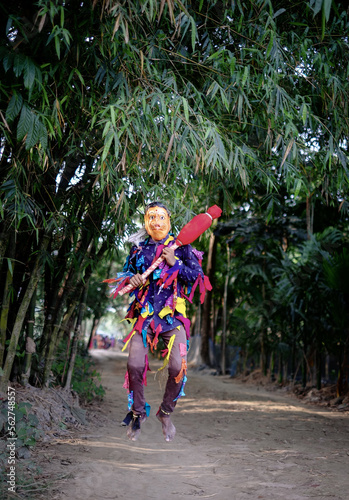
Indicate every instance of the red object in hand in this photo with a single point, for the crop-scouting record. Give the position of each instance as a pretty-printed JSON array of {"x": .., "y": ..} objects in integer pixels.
[
  {"x": 197, "y": 226},
  {"x": 190, "y": 232}
]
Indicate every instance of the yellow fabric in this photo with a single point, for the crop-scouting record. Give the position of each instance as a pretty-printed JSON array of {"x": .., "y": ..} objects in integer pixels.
[
  {"x": 170, "y": 238},
  {"x": 128, "y": 341},
  {"x": 132, "y": 321},
  {"x": 180, "y": 306},
  {"x": 146, "y": 312},
  {"x": 166, "y": 310},
  {"x": 169, "y": 347}
]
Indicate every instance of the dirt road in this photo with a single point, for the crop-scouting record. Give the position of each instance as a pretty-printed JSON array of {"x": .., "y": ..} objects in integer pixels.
[{"x": 233, "y": 442}]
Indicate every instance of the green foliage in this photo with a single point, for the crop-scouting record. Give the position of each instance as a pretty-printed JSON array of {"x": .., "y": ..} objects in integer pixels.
[
  {"x": 28, "y": 430},
  {"x": 85, "y": 380}
]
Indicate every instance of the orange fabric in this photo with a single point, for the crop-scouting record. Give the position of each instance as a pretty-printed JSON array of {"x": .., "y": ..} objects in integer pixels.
[{"x": 182, "y": 372}]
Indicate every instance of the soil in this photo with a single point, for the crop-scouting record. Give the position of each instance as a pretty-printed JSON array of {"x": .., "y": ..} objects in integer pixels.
[{"x": 235, "y": 440}]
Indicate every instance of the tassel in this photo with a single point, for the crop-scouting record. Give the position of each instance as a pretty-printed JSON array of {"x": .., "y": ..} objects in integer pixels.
[
  {"x": 169, "y": 348},
  {"x": 186, "y": 323},
  {"x": 146, "y": 368},
  {"x": 127, "y": 381},
  {"x": 181, "y": 392},
  {"x": 127, "y": 340},
  {"x": 153, "y": 345},
  {"x": 182, "y": 372}
]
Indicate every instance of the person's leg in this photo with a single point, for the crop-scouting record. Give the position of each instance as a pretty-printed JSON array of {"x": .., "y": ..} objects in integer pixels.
[
  {"x": 176, "y": 366},
  {"x": 136, "y": 367}
]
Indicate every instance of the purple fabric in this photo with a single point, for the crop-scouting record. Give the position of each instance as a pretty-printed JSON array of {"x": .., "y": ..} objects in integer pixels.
[
  {"x": 137, "y": 364},
  {"x": 138, "y": 261}
]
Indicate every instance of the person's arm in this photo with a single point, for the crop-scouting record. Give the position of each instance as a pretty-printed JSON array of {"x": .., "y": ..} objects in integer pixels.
[
  {"x": 137, "y": 280},
  {"x": 130, "y": 267},
  {"x": 186, "y": 262}
]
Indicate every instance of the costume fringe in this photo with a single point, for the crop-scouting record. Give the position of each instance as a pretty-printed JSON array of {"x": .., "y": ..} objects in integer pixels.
[
  {"x": 182, "y": 372},
  {"x": 146, "y": 368},
  {"x": 169, "y": 348},
  {"x": 127, "y": 381},
  {"x": 127, "y": 339}
]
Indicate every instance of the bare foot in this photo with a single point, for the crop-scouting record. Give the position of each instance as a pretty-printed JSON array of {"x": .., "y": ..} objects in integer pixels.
[
  {"x": 133, "y": 434},
  {"x": 134, "y": 429},
  {"x": 168, "y": 429}
]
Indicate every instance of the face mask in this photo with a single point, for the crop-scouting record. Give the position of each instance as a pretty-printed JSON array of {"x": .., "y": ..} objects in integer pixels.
[{"x": 157, "y": 223}]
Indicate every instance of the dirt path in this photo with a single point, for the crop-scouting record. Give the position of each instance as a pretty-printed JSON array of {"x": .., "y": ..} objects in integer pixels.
[{"x": 233, "y": 442}]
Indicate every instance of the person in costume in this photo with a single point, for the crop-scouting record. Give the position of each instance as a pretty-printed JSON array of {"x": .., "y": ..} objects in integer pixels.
[{"x": 158, "y": 310}]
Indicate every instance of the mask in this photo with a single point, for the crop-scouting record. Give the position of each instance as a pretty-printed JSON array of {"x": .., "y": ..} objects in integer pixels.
[{"x": 157, "y": 223}]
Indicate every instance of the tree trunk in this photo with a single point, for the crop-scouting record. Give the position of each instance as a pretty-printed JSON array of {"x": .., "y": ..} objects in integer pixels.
[
  {"x": 34, "y": 278},
  {"x": 206, "y": 313},
  {"x": 272, "y": 366},
  {"x": 50, "y": 352},
  {"x": 281, "y": 369},
  {"x": 6, "y": 295},
  {"x": 318, "y": 367},
  {"x": 95, "y": 324},
  {"x": 4, "y": 237},
  {"x": 30, "y": 344},
  {"x": 309, "y": 216},
  {"x": 225, "y": 314},
  {"x": 71, "y": 287},
  {"x": 76, "y": 338},
  {"x": 342, "y": 383}
]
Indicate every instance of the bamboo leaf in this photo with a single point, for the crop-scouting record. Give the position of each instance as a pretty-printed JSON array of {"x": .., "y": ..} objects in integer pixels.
[
  {"x": 246, "y": 73},
  {"x": 297, "y": 188},
  {"x": 106, "y": 147},
  {"x": 317, "y": 7},
  {"x": 29, "y": 73},
  {"x": 25, "y": 122},
  {"x": 116, "y": 26},
  {"x": 14, "y": 107},
  {"x": 288, "y": 149},
  {"x": 77, "y": 72},
  {"x": 57, "y": 47},
  {"x": 304, "y": 111},
  {"x": 18, "y": 64},
  {"x": 33, "y": 133},
  {"x": 169, "y": 147},
  {"x": 279, "y": 12},
  {"x": 193, "y": 32},
  {"x": 112, "y": 114},
  {"x": 270, "y": 44},
  {"x": 186, "y": 109},
  {"x": 43, "y": 136}
]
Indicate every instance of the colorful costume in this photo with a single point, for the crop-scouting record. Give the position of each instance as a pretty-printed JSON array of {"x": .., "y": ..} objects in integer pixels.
[{"x": 159, "y": 309}]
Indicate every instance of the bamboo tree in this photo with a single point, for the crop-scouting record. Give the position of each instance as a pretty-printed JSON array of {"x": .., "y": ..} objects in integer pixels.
[
  {"x": 225, "y": 312},
  {"x": 76, "y": 339},
  {"x": 34, "y": 278},
  {"x": 207, "y": 305},
  {"x": 62, "y": 322},
  {"x": 6, "y": 300},
  {"x": 30, "y": 348}
]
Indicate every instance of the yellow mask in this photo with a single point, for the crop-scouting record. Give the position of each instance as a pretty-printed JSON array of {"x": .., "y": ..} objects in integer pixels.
[{"x": 157, "y": 223}]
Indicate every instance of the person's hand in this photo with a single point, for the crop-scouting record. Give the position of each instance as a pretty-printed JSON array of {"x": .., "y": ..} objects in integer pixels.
[
  {"x": 137, "y": 280},
  {"x": 168, "y": 253}
]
